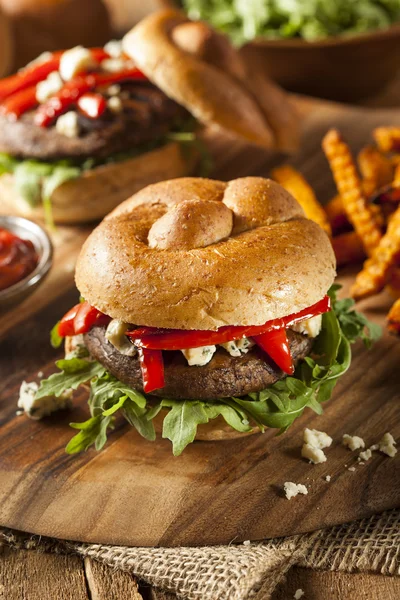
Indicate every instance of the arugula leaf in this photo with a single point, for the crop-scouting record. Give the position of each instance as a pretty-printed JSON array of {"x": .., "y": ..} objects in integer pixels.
[
  {"x": 55, "y": 338},
  {"x": 74, "y": 372},
  {"x": 93, "y": 431},
  {"x": 180, "y": 424},
  {"x": 140, "y": 419},
  {"x": 353, "y": 324}
]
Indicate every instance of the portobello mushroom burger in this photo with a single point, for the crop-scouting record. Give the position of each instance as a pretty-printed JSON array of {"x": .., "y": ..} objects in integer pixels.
[
  {"x": 83, "y": 129},
  {"x": 208, "y": 306}
]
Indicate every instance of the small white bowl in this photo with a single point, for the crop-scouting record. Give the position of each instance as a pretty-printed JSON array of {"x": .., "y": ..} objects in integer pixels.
[{"x": 27, "y": 230}]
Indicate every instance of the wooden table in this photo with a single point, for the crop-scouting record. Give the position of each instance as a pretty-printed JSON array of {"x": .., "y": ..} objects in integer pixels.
[{"x": 32, "y": 576}]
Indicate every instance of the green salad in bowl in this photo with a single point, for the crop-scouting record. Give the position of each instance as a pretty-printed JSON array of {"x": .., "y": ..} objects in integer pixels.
[{"x": 244, "y": 20}]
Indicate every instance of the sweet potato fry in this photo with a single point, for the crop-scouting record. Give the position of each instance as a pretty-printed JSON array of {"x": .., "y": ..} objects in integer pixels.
[
  {"x": 387, "y": 138},
  {"x": 373, "y": 276},
  {"x": 344, "y": 171},
  {"x": 294, "y": 182},
  {"x": 348, "y": 248},
  {"x": 375, "y": 168},
  {"x": 394, "y": 318},
  {"x": 336, "y": 215}
]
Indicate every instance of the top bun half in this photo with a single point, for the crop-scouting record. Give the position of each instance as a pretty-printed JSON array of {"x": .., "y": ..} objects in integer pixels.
[
  {"x": 200, "y": 70},
  {"x": 196, "y": 253}
]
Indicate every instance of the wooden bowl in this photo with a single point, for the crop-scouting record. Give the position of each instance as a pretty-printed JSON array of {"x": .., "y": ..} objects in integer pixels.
[{"x": 340, "y": 68}]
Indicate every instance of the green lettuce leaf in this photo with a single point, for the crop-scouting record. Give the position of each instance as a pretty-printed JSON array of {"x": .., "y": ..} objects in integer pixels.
[{"x": 276, "y": 407}]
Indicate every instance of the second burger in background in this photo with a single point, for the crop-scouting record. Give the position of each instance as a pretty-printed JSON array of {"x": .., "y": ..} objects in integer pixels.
[{"x": 82, "y": 129}]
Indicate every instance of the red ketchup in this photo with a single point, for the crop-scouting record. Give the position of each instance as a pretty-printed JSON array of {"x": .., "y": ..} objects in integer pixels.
[{"x": 18, "y": 258}]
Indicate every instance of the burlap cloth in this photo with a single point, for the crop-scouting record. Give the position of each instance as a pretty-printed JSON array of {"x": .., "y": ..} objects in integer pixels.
[{"x": 242, "y": 571}]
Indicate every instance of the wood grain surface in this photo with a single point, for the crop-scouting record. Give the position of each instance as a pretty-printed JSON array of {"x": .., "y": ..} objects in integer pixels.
[
  {"x": 33, "y": 576},
  {"x": 136, "y": 492}
]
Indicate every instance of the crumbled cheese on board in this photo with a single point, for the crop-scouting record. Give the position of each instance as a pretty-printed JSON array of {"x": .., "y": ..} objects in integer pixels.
[
  {"x": 353, "y": 442},
  {"x": 387, "y": 445},
  {"x": 365, "y": 455},
  {"x": 298, "y": 594},
  {"x": 328, "y": 478},
  {"x": 37, "y": 409},
  {"x": 293, "y": 489},
  {"x": 314, "y": 455},
  {"x": 314, "y": 442},
  {"x": 317, "y": 439},
  {"x": 351, "y": 469},
  {"x": 246, "y": 543}
]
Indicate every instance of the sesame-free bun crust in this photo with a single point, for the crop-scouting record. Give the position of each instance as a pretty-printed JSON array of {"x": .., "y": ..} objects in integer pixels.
[
  {"x": 99, "y": 190},
  {"x": 200, "y": 70},
  {"x": 273, "y": 263}
]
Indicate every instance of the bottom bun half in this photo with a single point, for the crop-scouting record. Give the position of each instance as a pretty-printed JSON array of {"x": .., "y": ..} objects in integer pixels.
[{"x": 99, "y": 190}]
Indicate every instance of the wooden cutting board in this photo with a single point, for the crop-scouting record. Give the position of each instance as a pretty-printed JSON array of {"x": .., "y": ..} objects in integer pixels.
[{"x": 135, "y": 492}]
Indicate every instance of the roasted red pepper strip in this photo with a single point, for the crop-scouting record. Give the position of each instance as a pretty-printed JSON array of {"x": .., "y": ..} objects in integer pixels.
[
  {"x": 31, "y": 75},
  {"x": 80, "y": 319},
  {"x": 19, "y": 103},
  {"x": 275, "y": 343},
  {"x": 152, "y": 367},
  {"x": 66, "y": 325},
  {"x": 74, "y": 89},
  {"x": 92, "y": 105},
  {"x": 179, "y": 339},
  {"x": 88, "y": 316},
  {"x": 28, "y": 77}
]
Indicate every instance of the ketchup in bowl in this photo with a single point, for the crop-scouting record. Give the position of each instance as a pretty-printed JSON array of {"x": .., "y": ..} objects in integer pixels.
[{"x": 18, "y": 258}]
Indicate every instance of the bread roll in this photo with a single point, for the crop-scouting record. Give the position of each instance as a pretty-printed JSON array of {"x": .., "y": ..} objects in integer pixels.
[{"x": 275, "y": 262}]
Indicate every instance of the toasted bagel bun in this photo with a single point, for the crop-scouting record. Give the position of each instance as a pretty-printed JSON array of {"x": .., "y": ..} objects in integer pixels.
[
  {"x": 200, "y": 70},
  {"x": 100, "y": 190},
  {"x": 272, "y": 263}
]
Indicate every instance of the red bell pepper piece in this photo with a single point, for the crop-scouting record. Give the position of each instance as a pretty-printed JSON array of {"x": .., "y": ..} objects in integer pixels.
[
  {"x": 276, "y": 344},
  {"x": 19, "y": 103},
  {"x": 180, "y": 339},
  {"x": 80, "y": 319},
  {"x": 92, "y": 105},
  {"x": 152, "y": 367},
  {"x": 74, "y": 89}
]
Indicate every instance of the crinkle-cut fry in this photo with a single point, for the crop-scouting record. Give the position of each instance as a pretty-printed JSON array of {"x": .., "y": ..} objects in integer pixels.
[
  {"x": 387, "y": 138},
  {"x": 348, "y": 248},
  {"x": 295, "y": 184},
  {"x": 373, "y": 276},
  {"x": 348, "y": 183},
  {"x": 336, "y": 214},
  {"x": 394, "y": 318},
  {"x": 375, "y": 168}
]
